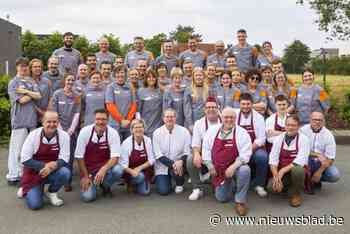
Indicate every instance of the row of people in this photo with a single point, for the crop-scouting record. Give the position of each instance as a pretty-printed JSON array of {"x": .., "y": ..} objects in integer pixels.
[{"x": 226, "y": 148}]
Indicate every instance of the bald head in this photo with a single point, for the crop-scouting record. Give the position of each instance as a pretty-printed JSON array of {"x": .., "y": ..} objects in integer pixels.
[
  {"x": 228, "y": 111},
  {"x": 50, "y": 115},
  {"x": 228, "y": 118}
]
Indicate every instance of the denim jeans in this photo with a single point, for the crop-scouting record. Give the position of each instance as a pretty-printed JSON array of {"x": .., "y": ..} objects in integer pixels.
[
  {"x": 143, "y": 187},
  {"x": 113, "y": 175},
  {"x": 259, "y": 161},
  {"x": 164, "y": 182},
  {"x": 56, "y": 180},
  {"x": 331, "y": 174}
]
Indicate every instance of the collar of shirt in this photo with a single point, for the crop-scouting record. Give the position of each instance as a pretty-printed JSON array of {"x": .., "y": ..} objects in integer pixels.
[
  {"x": 224, "y": 134},
  {"x": 67, "y": 49}
]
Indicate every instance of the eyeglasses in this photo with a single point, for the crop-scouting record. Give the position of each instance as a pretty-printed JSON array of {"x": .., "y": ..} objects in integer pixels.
[
  {"x": 211, "y": 107},
  {"x": 317, "y": 120}
]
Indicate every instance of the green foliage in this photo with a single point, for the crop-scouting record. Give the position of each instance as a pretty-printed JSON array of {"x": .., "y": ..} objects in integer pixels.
[
  {"x": 334, "y": 17},
  {"x": 82, "y": 44},
  {"x": 154, "y": 44},
  {"x": 32, "y": 47},
  {"x": 182, "y": 33},
  {"x": 4, "y": 109},
  {"x": 296, "y": 55},
  {"x": 345, "y": 109},
  {"x": 114, "y": 44},
  {"x": 339, "y": 66}
]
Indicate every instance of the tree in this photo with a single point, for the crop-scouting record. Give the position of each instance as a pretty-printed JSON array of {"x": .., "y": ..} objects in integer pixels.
[
  {"x": 334, "y": 17},
  {"x": 154, "y": 44},
  {"x": 32, "y": 47},
  {"x": 51, "y": 43},
  {"x": 296, "y": 55},
  {"x": 82, "y": 44},
  {"x": 182, "y": 33}
]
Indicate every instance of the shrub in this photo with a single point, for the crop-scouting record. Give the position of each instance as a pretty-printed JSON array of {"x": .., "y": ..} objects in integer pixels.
[{"x": 4, "y": 109}]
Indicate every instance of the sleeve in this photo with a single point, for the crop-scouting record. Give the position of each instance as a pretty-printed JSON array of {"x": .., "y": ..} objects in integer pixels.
[
  {"x": 149, "y": 149},
  {"x": 28, "y": 148},
  {"x": 133, "y": 107},
  {"x": 208, "y": 141},
  {"x": 260, "y": 130},
  {"x": 64, "y": 146},
  {"x": 166, "y": 100},
  {"x": 111, "y": 106},
  {"x": 54, "y": 102},
  {"x": 275, "y": 151},
  {"x": 82, "y": 142},
  {"x": 196, "y": 138},
  {"x": 187, "y": 105},
  {"x": 304, "y": 151},
  {"x": 156, "y": 145},
  {"x": 139, "y": 101},
  {"x": 126, "y": 62},
  {"x": 114, "y": 142},
  {"x": 11, "y": 89},
  {"x": 244, "y": 146},
  {"x": 330, "y": 148},
  {"x": 124, "y": 158}
]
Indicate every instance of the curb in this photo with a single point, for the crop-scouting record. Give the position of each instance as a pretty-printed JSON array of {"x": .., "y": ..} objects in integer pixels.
[{"x": 342, "y": 137}]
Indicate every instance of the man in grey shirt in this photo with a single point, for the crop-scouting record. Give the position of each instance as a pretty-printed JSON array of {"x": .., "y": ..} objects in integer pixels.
[
  {"x": 104, "y": 54},
  {"x": 23, "y": 92},
  {"x": 197, "y": 56},
  {"x": 69, "y": 58},
  {"x": 245, "y": 54},
  {"x": 138, "y": 53},
  {"x": 218, "y": 58},
  {"x": 168, "y": 56},
  {"x": 53, "y": 74}
]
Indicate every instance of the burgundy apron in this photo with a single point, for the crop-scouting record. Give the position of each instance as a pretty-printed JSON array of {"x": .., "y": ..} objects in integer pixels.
[
  {"x": 250, "y": 128},
  {"x": 96, "y": 154},
  {"x": 224, "y": 153},
  {"x": 137, "y": 158},
  {"x": 46, "y": 153},
  {"x": 277, "y": 127},
  {"x": 288, "y": 156}
]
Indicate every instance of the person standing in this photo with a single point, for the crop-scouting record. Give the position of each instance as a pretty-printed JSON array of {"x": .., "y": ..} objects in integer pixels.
[
  {"x": 104, "y": 54},
  {"x": 138, "y": 53},
  {"x": 197, "y": 56},
  {"x": 168, "y": 56},
  {"x": 53, "y": 74}
]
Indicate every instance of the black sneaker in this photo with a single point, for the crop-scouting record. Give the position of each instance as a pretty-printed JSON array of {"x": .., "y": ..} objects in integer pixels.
[{"x": 106, "y": 192}]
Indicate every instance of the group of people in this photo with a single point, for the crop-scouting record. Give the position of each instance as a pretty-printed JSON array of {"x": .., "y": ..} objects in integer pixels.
[{"x": 232, "y": 118}]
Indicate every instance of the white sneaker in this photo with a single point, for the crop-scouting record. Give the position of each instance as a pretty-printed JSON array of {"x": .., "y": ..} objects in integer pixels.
[
  {"x": 205, "y": 177},
  {"x": 20, "y": 193},
  {"x": 195, "y": 195},
  {"x": 54, "y": 199},
  {"x": 260, "y": 191},
  {"x": 179, "y": 189}
]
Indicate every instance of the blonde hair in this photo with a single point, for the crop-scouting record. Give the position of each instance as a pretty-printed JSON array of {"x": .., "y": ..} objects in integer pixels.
[
  {"x": 194, "y": 88},
  {"x": 176, "y": 71},
  {"x": 137, "y": 121},
  {"x": 285, "y": 85}
]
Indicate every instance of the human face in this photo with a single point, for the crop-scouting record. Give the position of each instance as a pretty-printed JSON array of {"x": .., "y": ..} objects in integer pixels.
[
  {"x": 231, "y": 62},
  {"x": 177, "y": 80},
  {"x": 211, "y": 72},
  {"x": 139, "y": 45},
  {"x": 192, "y": 44},
  {"x": 138, "y": 130},
  {"x": 37, "y": 69},
  {"x": 106, "y": 70},
  {"x": 95, "y": 80},
  {"x": 242, "y": 38},
  {"x": 277, "y": 68},
  {"x": 101, "y": 120},
  {"x": 267, "y": 48},
  {"x": 83, "y": 71},
  {"x": 133, "y": 76},
  {"x": 198, "y": 78},
  {"x": 292, "y": 127},
  {"x": 226, "y": 81},
  {"x": 69, "y": 82},
  {"x": 151, "y": 81},
  {"x": 246, "y": 106},
  {"x": 22, "y": 70},
  {"x": 253, "y": 80},
  {"x": 104, "y": 45},
  {"x": 91, "y": 62},
  {"x": 53, "y": 65},
  {"x": 168, "y": 48},
  {"x": 281, "y": 106},
  {"x": 280, "y": 79},
  {"x": 169, "y": 119},
  {"x": 211, "y": 111},
  {"x": 162, "y": 71},
  {"x": 188, "y": 67},
  {"x": 120, "y": 77},
  {"x": 220, "y": 48},
  {"x": 308, "y": 78},
  {"x": 317, "y": 121},
  {"x": 228, "y": 119},
  {"x": 141, "y": 66},
  {"x": 68, "y": 41},
  {"x": 50, "y": 123},
  {"x": 119, "y": 61},
  {"x": 236, "y": 77},
  {"x": 266, "y": 74}
]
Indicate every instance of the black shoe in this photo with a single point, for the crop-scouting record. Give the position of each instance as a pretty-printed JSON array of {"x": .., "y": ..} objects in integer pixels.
[
  {"x": 106, "y": 192},
  {"x": 13, "y": 182},
  {"x": 317, "y": 186}
]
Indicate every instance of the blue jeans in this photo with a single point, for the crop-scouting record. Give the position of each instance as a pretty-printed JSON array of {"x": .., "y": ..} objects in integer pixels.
[
  {"x": 259, "y": 160},
  {"x": 113, "y": 175},
  {"x": 143, "y": 187},
  {"x": 56, "y": 180},
  {"x": 238, "y": 185},
  {"x": 164, "y": 184},
  {"x": 331, "y": 174}
]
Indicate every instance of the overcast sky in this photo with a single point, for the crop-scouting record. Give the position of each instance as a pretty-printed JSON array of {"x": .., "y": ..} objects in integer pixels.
[{"x": 279, "y": 21}]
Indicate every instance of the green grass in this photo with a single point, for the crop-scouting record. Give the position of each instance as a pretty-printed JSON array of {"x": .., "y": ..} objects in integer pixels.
[{"x": 338, "y": 85}]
